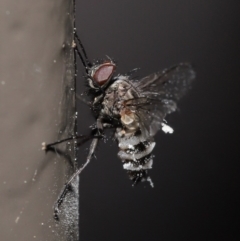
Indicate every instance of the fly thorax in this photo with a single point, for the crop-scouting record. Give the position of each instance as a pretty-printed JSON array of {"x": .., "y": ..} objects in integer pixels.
[
  {"x": 109, "y": 103},
  {"x": 114, "y": 101}
]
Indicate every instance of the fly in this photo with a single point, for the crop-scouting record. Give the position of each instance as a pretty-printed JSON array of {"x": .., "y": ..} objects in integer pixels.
[{"x": 135, "y": 108}]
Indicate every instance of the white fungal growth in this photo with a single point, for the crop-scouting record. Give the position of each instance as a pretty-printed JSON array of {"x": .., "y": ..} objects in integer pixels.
[
  {"x": 130, "y": 166},
  {"x": 150, "y": 181},
  {"x": 131, "y": 147},
  {"x": 167, "y": 129}
]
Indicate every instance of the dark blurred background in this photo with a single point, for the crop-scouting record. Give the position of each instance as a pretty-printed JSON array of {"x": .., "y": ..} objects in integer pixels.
[{"x": 196, "y": 170}]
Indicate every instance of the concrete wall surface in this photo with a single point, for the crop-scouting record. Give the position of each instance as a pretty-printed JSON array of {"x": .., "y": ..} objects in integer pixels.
[{"x": 36, "y": 104}]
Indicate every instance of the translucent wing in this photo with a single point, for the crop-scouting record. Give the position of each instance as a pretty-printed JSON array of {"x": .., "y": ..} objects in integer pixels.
[
  {"x": 158, "y": 94},
  {"x": 171, "y": 83}
]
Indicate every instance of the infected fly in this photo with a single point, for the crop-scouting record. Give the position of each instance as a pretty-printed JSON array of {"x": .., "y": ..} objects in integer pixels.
[{"x": 135, "y": 108}]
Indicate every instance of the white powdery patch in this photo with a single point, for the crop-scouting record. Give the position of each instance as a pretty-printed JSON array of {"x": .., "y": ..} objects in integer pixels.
[
  {"x": 131, "y": 167},
  {"x": 167, "y": 129},
  {"x": 131, "y": 147},
  {"x": 133, "y": 156},
  {"x": 150, "y": 182}
]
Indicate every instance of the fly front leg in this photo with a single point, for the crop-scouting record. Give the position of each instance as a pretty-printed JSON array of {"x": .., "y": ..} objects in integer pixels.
[
  {"x": 99, "y": 128},
  {"x": 67, "y": 186},
  {"x": 83, "y": 139}
]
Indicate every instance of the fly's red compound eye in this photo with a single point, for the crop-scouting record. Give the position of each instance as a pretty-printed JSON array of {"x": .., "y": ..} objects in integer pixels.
[{"x": 103, "y": 73}]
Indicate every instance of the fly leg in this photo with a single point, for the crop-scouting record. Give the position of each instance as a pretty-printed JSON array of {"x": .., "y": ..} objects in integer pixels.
[
  {"x": 99, "y": 126},
  {"x": 84, "y": 60},
  {"x": 83, "y": 100},
  {"x": 82, "y": 49},
  {"x": 81, "y": 52},
  {"x": 67, "y": 186},
  {"x": 48, "y": 147}
]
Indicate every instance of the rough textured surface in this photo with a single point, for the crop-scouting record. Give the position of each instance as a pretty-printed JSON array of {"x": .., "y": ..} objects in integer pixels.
[{"x": 36, "y": 101}]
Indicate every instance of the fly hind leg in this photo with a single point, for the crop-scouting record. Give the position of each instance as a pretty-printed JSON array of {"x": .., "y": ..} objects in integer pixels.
[{"x": 67, "y": 186}]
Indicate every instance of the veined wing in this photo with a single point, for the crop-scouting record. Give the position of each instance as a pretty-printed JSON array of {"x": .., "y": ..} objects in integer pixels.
[
  {"x": 170, "y": 83},
  {"x": 158, "y": 94}
]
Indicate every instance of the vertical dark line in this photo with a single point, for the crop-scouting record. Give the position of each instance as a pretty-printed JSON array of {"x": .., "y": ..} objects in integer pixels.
[
  {"x": 84, "y": 51},
  {"x": 75, "y": 59},
  {"x": 75, "y": 76},
  {"x": 74, "y": 53},
  {"x": 76, "y": 116}
]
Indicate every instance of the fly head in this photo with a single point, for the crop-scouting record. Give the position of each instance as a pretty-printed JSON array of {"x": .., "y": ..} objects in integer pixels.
[{"x": 99, "y": 75}]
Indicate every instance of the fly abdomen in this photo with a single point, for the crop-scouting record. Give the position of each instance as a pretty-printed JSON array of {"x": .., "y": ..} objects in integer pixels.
[
  {"x": 136, "y": 152},
  {"x": 136, "y": 155},
  {"x": 144, "y": 163}
]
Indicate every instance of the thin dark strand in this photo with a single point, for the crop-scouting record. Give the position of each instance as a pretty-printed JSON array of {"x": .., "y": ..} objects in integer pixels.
[
  {"x": 75, "y": 67},
  {"x": 85, "y": 138},
  {"x": 49, "y": 146},
  {"x": 83, "y": 50},
  {"x": 67, "y": 186},
  {"x": 62, "y": 154},
  {"x": 90, "y": 154},
  {"x": 60, "y": 200},
  {"x": 74, "y": 15},
  {"x": 79, "y": 143},
  {"x": 82, "y": 60},
  {"x": 75, "y": 84}
]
